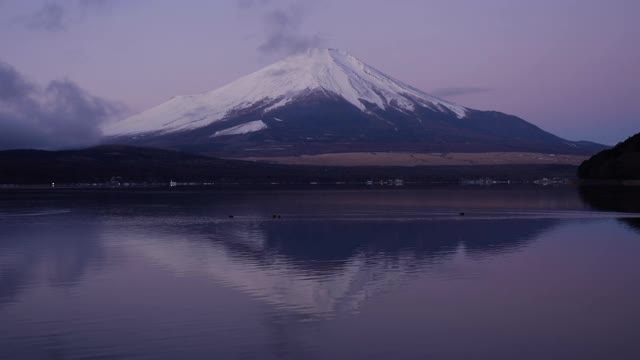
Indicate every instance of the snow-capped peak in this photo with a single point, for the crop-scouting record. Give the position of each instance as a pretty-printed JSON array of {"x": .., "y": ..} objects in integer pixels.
[{"x": 331, "y": 71}]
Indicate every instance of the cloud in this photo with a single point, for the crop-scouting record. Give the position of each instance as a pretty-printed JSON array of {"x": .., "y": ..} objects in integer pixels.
[
  {"x": 283, "y": 26},
  {"x": 53, "y": 16},
  {"x": 98, "y": 6},
  {"x": 244, "y": 4},
  {"x": 283, "y": 32},
  {"x": 50, "y": 17},
  {"x": 96, "y": 3},
  {"x": 458, "y": 91},
  {"x": 59, "y": 115}
]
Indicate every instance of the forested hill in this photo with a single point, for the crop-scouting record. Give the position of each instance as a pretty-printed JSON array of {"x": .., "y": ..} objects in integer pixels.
[{"x": 622, "y": 162}]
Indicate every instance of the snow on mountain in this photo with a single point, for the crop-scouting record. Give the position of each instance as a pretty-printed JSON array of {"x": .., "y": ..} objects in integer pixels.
[
  {"x": 251, "y": 126},
  {"x": 329, "y": 71}
]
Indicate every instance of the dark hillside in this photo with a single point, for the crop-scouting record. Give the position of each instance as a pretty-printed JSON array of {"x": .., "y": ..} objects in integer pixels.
[{"x": 619, "y": 163}]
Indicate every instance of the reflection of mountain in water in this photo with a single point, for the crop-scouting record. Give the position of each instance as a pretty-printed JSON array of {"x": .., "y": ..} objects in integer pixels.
[
  {"x": 316, "y": 260},
  {"x": 48, "y": 250},
  {"x": 633, "y": 224},
  {"x": 614, "y": 198},
  {"x": 323, "y": 267},
  {"x": 309, "y": 245}
]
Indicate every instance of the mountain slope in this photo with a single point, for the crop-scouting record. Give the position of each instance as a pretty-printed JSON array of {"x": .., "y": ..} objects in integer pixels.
[
  {"x": 332, "y": 72},
  {"x": 324, "y": 101}
]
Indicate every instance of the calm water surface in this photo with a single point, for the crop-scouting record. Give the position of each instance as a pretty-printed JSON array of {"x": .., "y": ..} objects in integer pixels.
[{"x": 526, "y": 273}]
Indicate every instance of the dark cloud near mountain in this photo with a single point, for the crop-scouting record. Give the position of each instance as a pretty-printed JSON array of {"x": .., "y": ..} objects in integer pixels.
[
  {"x": 59, "y": 115},
  {"x": 457, "y": 91},
  {"x": 283, "y": 24}
]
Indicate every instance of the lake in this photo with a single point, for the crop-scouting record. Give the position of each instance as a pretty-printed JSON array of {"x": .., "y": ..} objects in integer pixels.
[{"x": 511, "y": 272}]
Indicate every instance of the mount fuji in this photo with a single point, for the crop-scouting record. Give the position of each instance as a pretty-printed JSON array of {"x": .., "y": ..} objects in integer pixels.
[{"x": 328, "y": 101}]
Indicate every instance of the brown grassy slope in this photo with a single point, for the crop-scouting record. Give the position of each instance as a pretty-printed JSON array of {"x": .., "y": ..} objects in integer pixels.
[{"x": 425, "y": 159}]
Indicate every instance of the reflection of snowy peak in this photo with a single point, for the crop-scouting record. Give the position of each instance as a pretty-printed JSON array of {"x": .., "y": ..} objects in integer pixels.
[
  {"x": 325, "y": 70},
  {"x": 323, "y": 101},
  {"x": 277, "y": 283},
  {"x": 334, "y": 268}
]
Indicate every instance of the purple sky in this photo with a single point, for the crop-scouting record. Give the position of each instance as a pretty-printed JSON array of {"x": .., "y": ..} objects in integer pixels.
[{"x": 569, "y": 67}]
